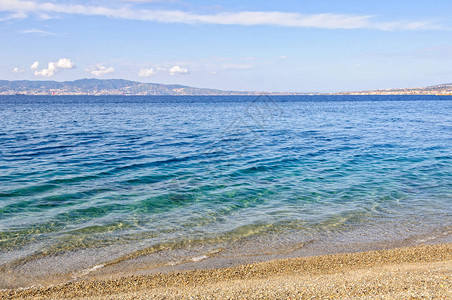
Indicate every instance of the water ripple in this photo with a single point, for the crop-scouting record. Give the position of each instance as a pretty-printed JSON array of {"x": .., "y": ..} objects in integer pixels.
[{"x": 162, "y": 172}]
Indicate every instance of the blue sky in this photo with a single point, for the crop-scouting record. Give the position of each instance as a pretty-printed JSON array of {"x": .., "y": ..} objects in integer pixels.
[{"x": 235, "y": 45}]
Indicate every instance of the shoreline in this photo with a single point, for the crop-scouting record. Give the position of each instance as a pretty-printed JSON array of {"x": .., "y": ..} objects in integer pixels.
[
  {"x": 106, "y": 263},
  {"x": 417, "y": 271}
]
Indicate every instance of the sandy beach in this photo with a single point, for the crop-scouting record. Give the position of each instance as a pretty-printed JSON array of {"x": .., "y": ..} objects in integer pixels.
[{"x": 421, "y": 272}]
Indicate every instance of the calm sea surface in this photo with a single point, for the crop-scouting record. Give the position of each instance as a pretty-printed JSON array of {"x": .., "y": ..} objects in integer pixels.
[{"x": 103, "y": 180}]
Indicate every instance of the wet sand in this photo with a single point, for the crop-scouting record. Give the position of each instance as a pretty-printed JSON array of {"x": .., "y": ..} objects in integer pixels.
[{"x": 404, "y": 273}]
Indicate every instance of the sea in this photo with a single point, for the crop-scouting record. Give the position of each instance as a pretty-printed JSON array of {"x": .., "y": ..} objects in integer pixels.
[{"x": 116, "y": 185}]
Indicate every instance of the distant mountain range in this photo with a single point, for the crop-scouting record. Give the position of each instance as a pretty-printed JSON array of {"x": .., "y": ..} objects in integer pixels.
[
  {"x": 105, "y": 87},
  {"x": 127, "y": 87}
]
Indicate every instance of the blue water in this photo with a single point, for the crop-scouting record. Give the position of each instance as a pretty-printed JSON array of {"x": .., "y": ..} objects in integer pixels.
[{"x": 132, "y": 173}]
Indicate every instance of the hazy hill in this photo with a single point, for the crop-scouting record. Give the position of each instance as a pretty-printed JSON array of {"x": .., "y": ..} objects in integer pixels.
[
  {"x": 127, "y": 87},
  {"x": 105, "y": 87}
]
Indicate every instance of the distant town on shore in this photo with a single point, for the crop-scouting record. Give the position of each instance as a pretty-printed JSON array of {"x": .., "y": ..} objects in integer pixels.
[{"x": 100, "y": 87}]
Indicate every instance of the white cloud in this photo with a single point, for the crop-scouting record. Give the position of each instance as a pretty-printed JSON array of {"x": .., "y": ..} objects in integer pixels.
[
  {"x": 38, "y": 31},
  {"x": 35, "y": 65},
  {"x": 246, "y": 18},
  {"x": 102, "y": 70},
  {"x": 44, "y": 16},
  {"x": 53, "y": 67},
  {"x": 147, "y": 72},
  {"x": 177, "y": 70},
  {"x": 64, "y": 63},
  {"x": 18, "y": 70}
]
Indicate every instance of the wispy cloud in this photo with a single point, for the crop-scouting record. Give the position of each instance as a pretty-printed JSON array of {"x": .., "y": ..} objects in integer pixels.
[
  {"x": 237, "y": 66},
  {"x": 245, "y": 18},
  {"x": 14, "y": 15},
  {"x": 53, "y": 67},
  {"x": 38, "y": 32}
]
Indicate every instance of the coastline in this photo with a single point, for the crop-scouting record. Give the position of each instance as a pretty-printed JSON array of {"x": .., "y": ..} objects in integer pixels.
[
  {"x": 165, "y": 188},
  {"x": 417, "y": 272}
]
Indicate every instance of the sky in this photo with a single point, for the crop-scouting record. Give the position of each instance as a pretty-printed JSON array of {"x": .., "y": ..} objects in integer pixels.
[{"x": 292, "y": 46}]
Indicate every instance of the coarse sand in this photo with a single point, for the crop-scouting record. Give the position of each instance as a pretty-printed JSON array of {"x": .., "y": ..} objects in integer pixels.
[{"x": 421, "y": 272}]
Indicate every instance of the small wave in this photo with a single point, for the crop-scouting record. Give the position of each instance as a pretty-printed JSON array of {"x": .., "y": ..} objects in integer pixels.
[
  {"x": 282, "y": 250},
  {"x": 199, "y": 258},
  {"x": 196, "y": 258},
  {"x": 85, "y": 272}
]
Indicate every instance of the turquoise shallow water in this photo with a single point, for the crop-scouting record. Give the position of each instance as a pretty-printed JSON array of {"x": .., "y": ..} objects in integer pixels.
[{"x": 129, "y": 174}]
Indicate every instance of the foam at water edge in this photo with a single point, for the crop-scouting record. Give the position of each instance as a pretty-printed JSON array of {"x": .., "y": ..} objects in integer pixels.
[{"x": 87, "y": 271}]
